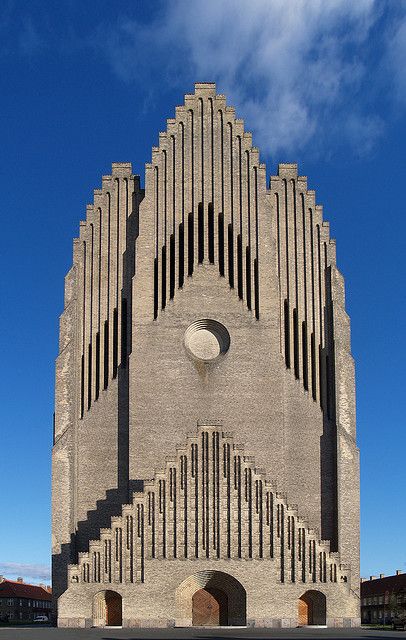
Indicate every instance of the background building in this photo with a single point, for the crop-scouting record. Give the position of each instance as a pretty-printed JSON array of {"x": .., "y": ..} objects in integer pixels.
[
  {"x": 205, "y": 469},
  {"x": 23, "y": 602},
  {"x": 383, "y": 597}
]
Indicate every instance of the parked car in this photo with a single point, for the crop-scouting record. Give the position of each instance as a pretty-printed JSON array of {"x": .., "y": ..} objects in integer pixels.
[
  {"x": 399, "y": 622},
  {"x": 40, "y": 619}
]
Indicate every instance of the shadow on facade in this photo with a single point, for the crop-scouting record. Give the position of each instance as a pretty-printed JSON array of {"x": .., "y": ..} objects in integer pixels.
[
  {"x": 111, "y": 504},
  {"x": 328, "y": 441}
]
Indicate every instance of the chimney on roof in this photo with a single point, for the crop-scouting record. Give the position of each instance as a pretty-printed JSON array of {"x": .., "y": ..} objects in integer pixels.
[
  {"x": 372, "y": 577},
  {"x": 362, "y": 580},
  {"x": 49, "y": 588},
  {"x": 19, "y": 579},
  {"x": 398, "y": 572},
  {"x": 381, "y": 575},
  {"x": 1, "y": 579}
]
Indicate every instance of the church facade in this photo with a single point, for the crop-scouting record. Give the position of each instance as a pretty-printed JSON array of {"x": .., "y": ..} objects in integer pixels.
[{"x": 205, "y": 468}]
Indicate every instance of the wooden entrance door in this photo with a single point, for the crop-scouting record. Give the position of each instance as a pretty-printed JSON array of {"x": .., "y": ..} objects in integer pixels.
[
  {"x": 305, "y": 611},
  {"x": 113, "y": 609},
  {"x": 209, "y": 608}
]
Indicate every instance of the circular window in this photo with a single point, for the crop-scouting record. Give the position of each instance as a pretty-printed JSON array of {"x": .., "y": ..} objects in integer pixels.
[{"x": 206, "y": 340}]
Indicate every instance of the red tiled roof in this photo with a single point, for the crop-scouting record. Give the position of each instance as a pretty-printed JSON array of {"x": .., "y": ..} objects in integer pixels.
[
  {"x": 12, "y": 589},
  {"x": 380, "y": 586}
]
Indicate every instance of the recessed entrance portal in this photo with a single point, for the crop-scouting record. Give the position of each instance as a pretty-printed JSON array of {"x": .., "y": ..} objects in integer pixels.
[
  {"x": 107, "y": 609},
  {"x": 312, "y": 608},
  {"x": 210, "y": 599}
]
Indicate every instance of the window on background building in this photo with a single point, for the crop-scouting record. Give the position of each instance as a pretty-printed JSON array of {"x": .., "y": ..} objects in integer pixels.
[
  {"x": 10, "y": 602},
  {"x": 29, "y": 603},
  {"x": 21, "y": 603},
  {"x": 11, "y": 615},
  {"x": 21, "y": 615}
]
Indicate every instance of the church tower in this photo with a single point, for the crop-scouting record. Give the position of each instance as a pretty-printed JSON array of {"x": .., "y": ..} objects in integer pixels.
[{"x": 205, "y": 468}]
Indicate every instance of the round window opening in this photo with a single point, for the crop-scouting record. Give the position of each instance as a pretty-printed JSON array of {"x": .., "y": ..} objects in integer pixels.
[{"x": 206, "y": 340}]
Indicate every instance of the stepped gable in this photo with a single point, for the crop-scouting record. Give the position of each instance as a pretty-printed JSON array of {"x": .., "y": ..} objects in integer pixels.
[
  {"x": 210, "y": 502},
  {"x": 207, "y": 183}
]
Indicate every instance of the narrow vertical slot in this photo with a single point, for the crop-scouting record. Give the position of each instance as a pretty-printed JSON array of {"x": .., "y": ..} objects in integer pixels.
[
  {"x": 210, "y": 221},
  {"x": 305, "y": 357},
  {"x": 82, "y": 386},
  {"x": 174, "y": 515},
  {"x": 256, "y": 286},
  {"x": 313, "y": 357},
  {"x": 82, "y": 375},
  {"x": 124, "y": 328},
  {"x": 282, "y": 542},
  {"x": 261, "y": 522},
  {"x": 321, "y": 378},
  {"x": 287, "y": 332},
  {"x": 207, "y": 499},
  {"x": 185, "y": 507},
  {"x": 115, "y": 342},
  {"x": 89, "y": 377},
  {"x": 163, "y": 277},
  {"x": 191, "y": 243},
  {"x": 278, "y": 231},
  {"x": 106, "y": 354},
  {"x": 249, "y": 513},
  {"x": 230, "y": 256},
  {"x": 239, "y": 507},
  {"x": 296, "y": 344},
  {"x": 97, "y": 365},
  {"x": 172, "y": 266},
  {"x": 256, "y": 260},
  {"x": 239, "y": 267},
  {"x": 248, "y": 275},
  {"x": 328, "y": 394},
  {"x": 181, "y": 255},
  {"x": 293, "y": 552},
  {"x": 155, "y": 288},
  {"x": 221, "y": 243},
  {"x": 200, "y": 232}
]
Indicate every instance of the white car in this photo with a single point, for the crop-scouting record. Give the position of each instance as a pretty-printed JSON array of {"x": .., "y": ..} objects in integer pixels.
[{"x": 40, "y": 619}]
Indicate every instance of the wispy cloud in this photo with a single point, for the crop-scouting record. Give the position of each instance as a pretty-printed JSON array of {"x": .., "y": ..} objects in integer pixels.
[
  {"x": 301, "y": 72},
  {"x": 395, "y": 56},
  {"x": 40, "y": 572}
]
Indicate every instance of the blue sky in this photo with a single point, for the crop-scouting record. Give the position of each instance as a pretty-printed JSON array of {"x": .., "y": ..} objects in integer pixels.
[{"x": 86, "y": 84}]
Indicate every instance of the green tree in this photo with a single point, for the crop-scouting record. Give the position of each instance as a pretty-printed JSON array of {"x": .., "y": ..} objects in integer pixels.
[{"x": 394, "y": 607}]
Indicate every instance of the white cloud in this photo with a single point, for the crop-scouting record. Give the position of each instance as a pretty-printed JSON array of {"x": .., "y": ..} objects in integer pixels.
[
  {"x": 300, "y": 71},
  {"x": 396, "y": 56},
  {"x": 11, "y": 570},
  {"x": 308, "y": 76}
]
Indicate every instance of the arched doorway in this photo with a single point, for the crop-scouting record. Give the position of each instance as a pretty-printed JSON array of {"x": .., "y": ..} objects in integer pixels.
[
  {"x": 211, "y": 598},
  {"x": 312, "y": 608},
  {"x": 107, "y": 609}
]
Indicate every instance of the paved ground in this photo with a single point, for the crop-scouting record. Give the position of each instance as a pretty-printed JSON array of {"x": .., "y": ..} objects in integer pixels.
[{"x": 47, "y": 633}]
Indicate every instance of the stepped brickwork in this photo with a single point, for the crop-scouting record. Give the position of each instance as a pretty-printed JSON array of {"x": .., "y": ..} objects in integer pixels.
[{"x": 208, "y": 292}]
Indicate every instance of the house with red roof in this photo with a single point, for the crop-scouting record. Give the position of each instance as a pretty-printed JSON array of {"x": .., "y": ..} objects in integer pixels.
[{"x": 23, "y": 602}]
